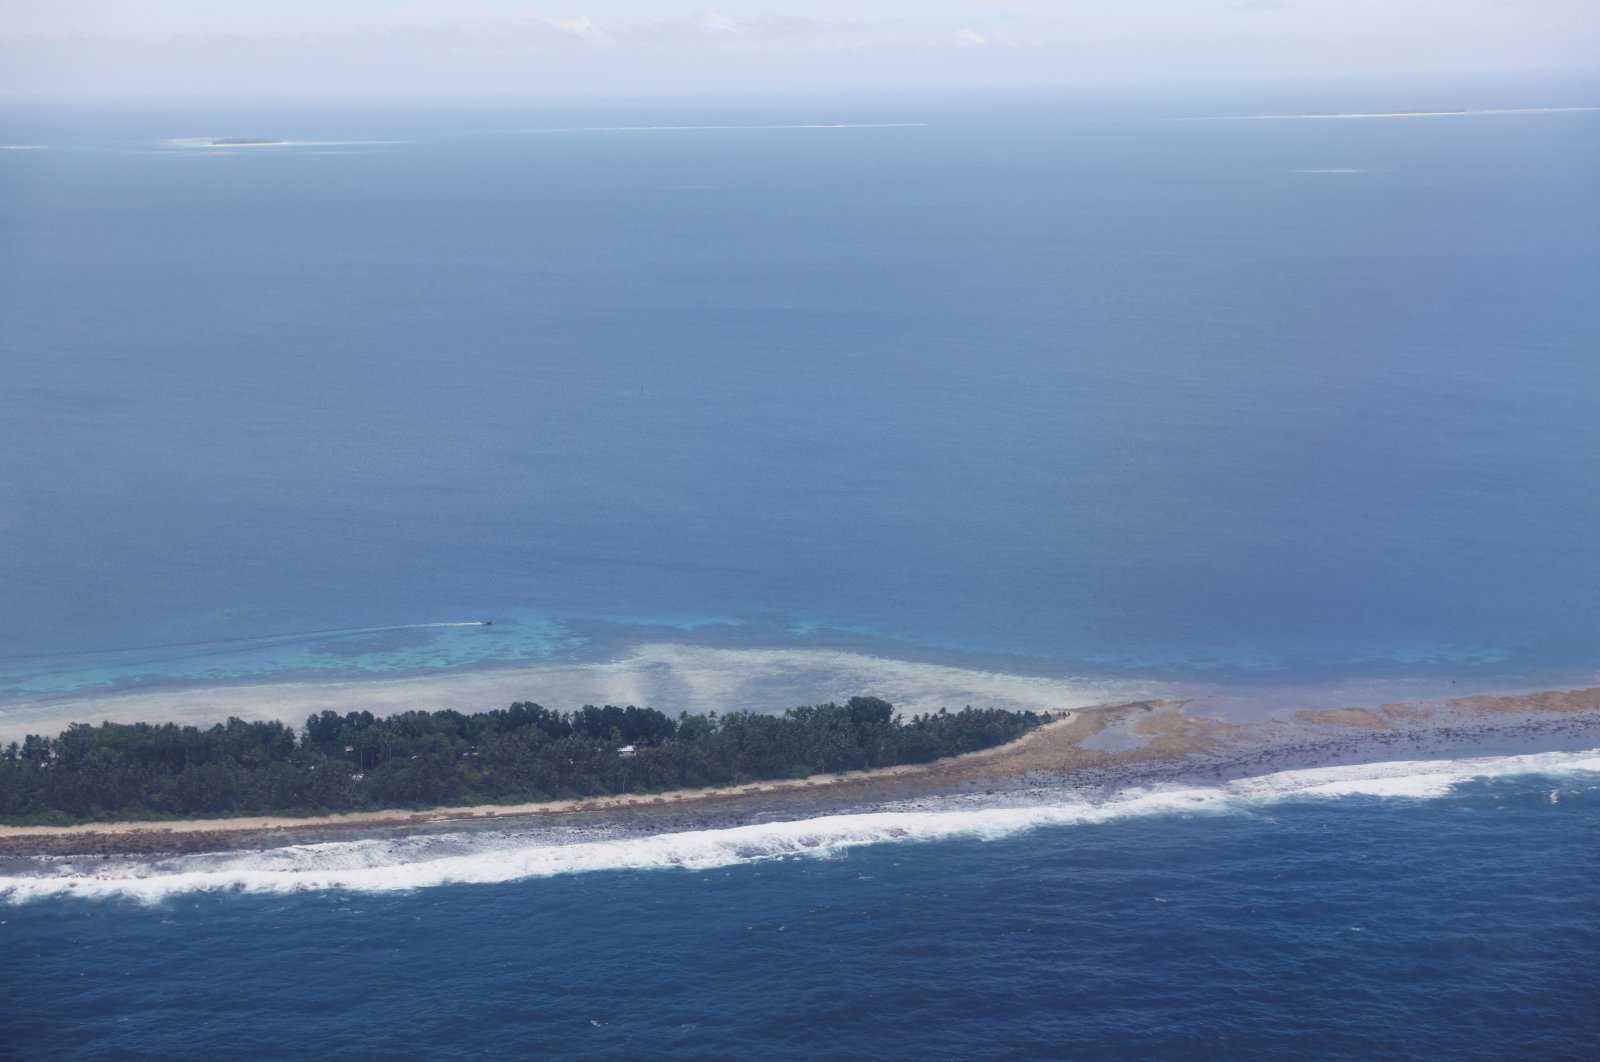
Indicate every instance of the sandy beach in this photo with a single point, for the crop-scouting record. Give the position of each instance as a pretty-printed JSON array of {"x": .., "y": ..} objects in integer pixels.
[
  {"x": 670, "y": 676},
  {"x": 1136, "y": 742},
  {"x": 1051, "y": 745}
]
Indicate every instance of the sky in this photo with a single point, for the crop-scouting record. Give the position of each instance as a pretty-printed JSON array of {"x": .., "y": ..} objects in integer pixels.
[{"x": 428, "y": 48}]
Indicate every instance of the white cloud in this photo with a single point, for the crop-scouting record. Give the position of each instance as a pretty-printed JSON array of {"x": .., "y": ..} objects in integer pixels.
[
  {"x": 711, "y": 20},
  {"x": 582, "y": 26},
  {"x": 967, "y": 36}
]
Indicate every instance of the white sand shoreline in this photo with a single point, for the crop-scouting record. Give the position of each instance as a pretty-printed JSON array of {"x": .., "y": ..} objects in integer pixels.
[
  {"x": 402, "y": 816},
  {"x": 1161, "y": 739},
  {"x": 668, "y": 676}
]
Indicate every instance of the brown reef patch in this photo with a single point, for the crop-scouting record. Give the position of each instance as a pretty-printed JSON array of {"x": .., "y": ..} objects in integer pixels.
[
  {"x": 1364, "y": 718},
  {"x": 1542, "y": 701}
]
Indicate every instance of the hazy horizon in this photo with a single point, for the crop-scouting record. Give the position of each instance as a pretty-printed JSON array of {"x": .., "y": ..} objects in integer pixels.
[{"x": 367, "y": 49}]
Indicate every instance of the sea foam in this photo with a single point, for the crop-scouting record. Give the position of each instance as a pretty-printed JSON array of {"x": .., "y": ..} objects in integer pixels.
[{"x": 420, "y": 861}]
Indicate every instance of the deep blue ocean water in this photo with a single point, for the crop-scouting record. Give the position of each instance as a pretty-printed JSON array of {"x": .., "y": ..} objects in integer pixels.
[
  {"x": 1054, "y": 378},
  {"x": 1460, "y": 924}
]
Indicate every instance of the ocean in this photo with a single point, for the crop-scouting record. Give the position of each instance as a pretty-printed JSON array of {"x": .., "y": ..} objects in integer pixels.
[
  {"x": 1426, "y": 910},
  {"x": 1176, "y": 388},
  {"x": 1058, "y": 381}
]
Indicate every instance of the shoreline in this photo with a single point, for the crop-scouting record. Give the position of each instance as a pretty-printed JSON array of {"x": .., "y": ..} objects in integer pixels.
[
  {"x": 674, "y": 676},
  {"x": 1127, "y": 743},
  {"x": 688, "y": 675},
  {"x": 106, "y": 835}
]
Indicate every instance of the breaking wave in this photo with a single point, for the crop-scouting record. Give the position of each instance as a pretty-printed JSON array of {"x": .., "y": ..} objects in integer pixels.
[{"x": 503, "y": 855}]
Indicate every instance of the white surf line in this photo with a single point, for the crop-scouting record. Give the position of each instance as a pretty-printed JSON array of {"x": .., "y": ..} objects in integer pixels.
[
  {"x": 395, "y": 864},
  {"x": 716, "y": 128},
  {"x": 1340, "y": 116}
]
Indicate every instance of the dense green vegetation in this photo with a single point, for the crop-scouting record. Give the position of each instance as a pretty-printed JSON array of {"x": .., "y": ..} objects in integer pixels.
[{"x": 357, "y": 762}]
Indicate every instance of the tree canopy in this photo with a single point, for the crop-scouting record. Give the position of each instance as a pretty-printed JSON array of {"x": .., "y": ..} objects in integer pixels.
[{"x": 526, "y": 752}]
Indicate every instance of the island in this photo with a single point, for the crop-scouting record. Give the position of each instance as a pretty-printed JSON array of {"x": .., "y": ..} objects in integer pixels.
[
  {"x": 524, "y": 753},
  {"x": 1382, "y": 114},
  {"x": 161, "y": 789}
]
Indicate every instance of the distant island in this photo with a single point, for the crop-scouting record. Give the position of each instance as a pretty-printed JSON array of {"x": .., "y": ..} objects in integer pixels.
[
  {"x": 356, "y": 762},
  {"x": 244, "y": 141},
  {"x": 1432, "y": 113},
  {"x": 1382, "y": 114}
]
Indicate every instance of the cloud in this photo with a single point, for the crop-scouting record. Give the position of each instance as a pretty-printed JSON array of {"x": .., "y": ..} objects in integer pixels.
[
  {"x": 1017, "y": 7},
  {"x": 718, "y": 23},
  {"x": 968, "y": 36},
  {"x": 1261, "y": 5},
  {"x": 582, "y": 26}
]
